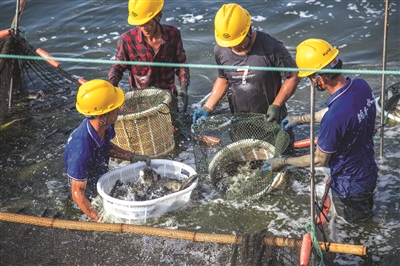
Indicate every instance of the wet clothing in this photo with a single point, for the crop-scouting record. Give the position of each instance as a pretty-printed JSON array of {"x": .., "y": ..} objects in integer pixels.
[
  {"x": 252, "y": 91},
  {"x": 132, "y": 47},
  {"x": 86, "y": 156},
  {"x": 346, "y": 132},
  {"x": 356, "y": 208}
]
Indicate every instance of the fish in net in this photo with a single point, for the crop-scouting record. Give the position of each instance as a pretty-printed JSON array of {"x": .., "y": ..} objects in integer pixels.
[
  {"x": 231, "y": 149},
  {"x": 392, "y": 103}
]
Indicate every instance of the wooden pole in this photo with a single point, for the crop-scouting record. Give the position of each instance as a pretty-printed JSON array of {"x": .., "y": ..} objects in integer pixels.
[{"x": 174, "y": 234}]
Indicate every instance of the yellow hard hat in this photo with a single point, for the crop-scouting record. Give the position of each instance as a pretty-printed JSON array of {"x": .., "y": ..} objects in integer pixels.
[
  {"x": 314, "y": 53},
  {"x": 232, "y": 23},
  {"x": 97, "y": 97},
  {"x": 142, "y": 11}
]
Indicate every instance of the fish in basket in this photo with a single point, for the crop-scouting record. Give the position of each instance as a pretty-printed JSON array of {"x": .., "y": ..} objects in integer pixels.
[{"x": 140, "y": 192}]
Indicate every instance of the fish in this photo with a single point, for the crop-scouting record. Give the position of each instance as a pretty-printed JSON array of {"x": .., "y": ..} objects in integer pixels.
[{"x": 150, "y": 185}]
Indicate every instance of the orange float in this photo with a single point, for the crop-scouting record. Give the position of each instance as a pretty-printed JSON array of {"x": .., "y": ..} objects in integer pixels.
[
  {"x": 4, "y": 33},
  {"x": 45, "y": 54},
  {"x": 305, "y": 250},
  {"x": 322, "y": 217},
  {"x": 304, "y": 143}
]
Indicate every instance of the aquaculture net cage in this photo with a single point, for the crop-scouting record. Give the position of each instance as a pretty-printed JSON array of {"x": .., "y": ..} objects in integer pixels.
[
  {"x": 231, "y": 149},
  {"x": 21, "y": 76},
  {"x": 144, "y": 125}
]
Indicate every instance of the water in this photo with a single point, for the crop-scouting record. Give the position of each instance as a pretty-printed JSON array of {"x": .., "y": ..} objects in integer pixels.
[{"x": 32, "y": 171}]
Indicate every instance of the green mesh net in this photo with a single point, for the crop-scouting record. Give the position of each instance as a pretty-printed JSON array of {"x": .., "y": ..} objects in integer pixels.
[{"x": 231, "y": 150}]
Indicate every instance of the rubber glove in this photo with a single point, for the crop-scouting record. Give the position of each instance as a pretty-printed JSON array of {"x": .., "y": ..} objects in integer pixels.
[
  {"x": 198, "y": 114},
  {"x": 182, "y": 92},
  {"x": 138, "y": 157},
  {"x": 273, "y": 113},
  {"x": 274, "y": 164},
  {"x": 290, "y": 122}
]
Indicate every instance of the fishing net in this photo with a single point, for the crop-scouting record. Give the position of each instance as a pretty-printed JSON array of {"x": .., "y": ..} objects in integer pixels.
[
  {"x": 19, "y": 76},
  {"x": 231, "y": 150},
  {"x": 392, "y": 103},
  {"x": 82, "y": 243}
]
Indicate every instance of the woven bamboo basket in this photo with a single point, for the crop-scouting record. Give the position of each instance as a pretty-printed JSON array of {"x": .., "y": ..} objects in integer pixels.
[{"x": 144, "y": 125}]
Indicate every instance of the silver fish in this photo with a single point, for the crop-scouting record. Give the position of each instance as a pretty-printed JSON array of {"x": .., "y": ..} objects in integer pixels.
[{"x": 150, "y": 185}]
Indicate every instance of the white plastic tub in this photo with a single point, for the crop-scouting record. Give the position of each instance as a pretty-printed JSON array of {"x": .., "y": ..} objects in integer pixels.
[{"x": 143, "y": 210}]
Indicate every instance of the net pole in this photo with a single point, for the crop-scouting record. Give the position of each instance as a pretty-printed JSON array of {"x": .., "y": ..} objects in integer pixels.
[
  {"x": 383, "y": 94},
  {"x": 312, "y": 150}
]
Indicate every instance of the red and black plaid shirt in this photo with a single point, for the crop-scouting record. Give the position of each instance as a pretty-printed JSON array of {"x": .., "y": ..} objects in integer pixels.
[{"x": 132, "y": 47}]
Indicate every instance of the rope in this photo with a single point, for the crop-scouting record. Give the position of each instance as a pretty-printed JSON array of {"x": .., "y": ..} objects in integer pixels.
[
  {"x": 310, "y": 228},
  {"x": 160, "y": 64}
]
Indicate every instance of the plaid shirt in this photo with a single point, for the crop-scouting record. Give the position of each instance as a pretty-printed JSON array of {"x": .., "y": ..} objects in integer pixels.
[{"x": 132, "y": 47}]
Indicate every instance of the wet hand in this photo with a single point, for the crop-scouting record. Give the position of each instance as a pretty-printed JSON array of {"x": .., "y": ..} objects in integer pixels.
[
  {"x": 138, "y": 158},
  {"x": 274, "y": 164},
  {"x": 203, "y": 112},
  {"x": 273, "y": 113},
  {"x": 290, "y": 122},
  {"x": 182, "y": 92}
]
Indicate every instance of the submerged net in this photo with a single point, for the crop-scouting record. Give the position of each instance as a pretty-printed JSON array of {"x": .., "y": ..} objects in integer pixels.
[
  {"x": 231, "y": 149},
  {"x": 83, "y": 243},
  {"x": 18, "y": 76}
]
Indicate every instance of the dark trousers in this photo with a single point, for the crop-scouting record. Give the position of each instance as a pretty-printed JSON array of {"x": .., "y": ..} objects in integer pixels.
[{"x": 355, "y": 208}]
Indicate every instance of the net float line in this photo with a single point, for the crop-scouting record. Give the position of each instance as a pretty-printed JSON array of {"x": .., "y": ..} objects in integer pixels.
[{"x": 170, "y": 233}]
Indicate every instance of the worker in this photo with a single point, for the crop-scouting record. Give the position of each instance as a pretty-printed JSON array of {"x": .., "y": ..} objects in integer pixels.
[
  {"x": 151, "y": 41},
  {"x": 89, "y": 146},
  {"x": 249, "y": 91},
  {"x": 345, "y": 141}
]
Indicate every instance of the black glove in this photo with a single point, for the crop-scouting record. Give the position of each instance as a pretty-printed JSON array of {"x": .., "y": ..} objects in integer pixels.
[
  {"x": 290, "y": 122},
  {"x": 182, "y": 92},
  {"x": 273, "y": 113},
  {"x": 138, "y": 157}
]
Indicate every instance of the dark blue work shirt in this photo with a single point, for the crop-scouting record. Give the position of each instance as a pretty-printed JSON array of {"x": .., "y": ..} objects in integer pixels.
[
  {"x": 346, "y": 132},
  {"x": 86, "y": 156}
]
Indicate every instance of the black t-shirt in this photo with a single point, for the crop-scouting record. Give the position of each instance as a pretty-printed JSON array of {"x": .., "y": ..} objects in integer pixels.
[{"x": 252, "y": 91}]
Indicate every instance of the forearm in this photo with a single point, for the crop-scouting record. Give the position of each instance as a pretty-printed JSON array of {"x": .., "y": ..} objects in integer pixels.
[
  {"x": 287, "y": 89},
  {"x": 317, "y": 117},
  {"x": 115, "y": 74},
  {"x": 320, "y": 159},
  {"x": 184, "y": 76},
  {"x": 119, "y": 153},
  {"x": 78, "y": 195},
  {"x": 218, "y": 91}
]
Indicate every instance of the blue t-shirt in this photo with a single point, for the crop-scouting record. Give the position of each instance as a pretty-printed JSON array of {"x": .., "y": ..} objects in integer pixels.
[
  {"x": 346, "y": 132},
  {"x": 86, "y": 156}
]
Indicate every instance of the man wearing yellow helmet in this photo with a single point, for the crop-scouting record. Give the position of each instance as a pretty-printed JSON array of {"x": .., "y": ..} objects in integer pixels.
[
  {"x": 249, "y": 91},
  {"x": 150, "y": 41},
  {"x": 89, "y": 147},
  {"x": 345, "y": 142}
]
